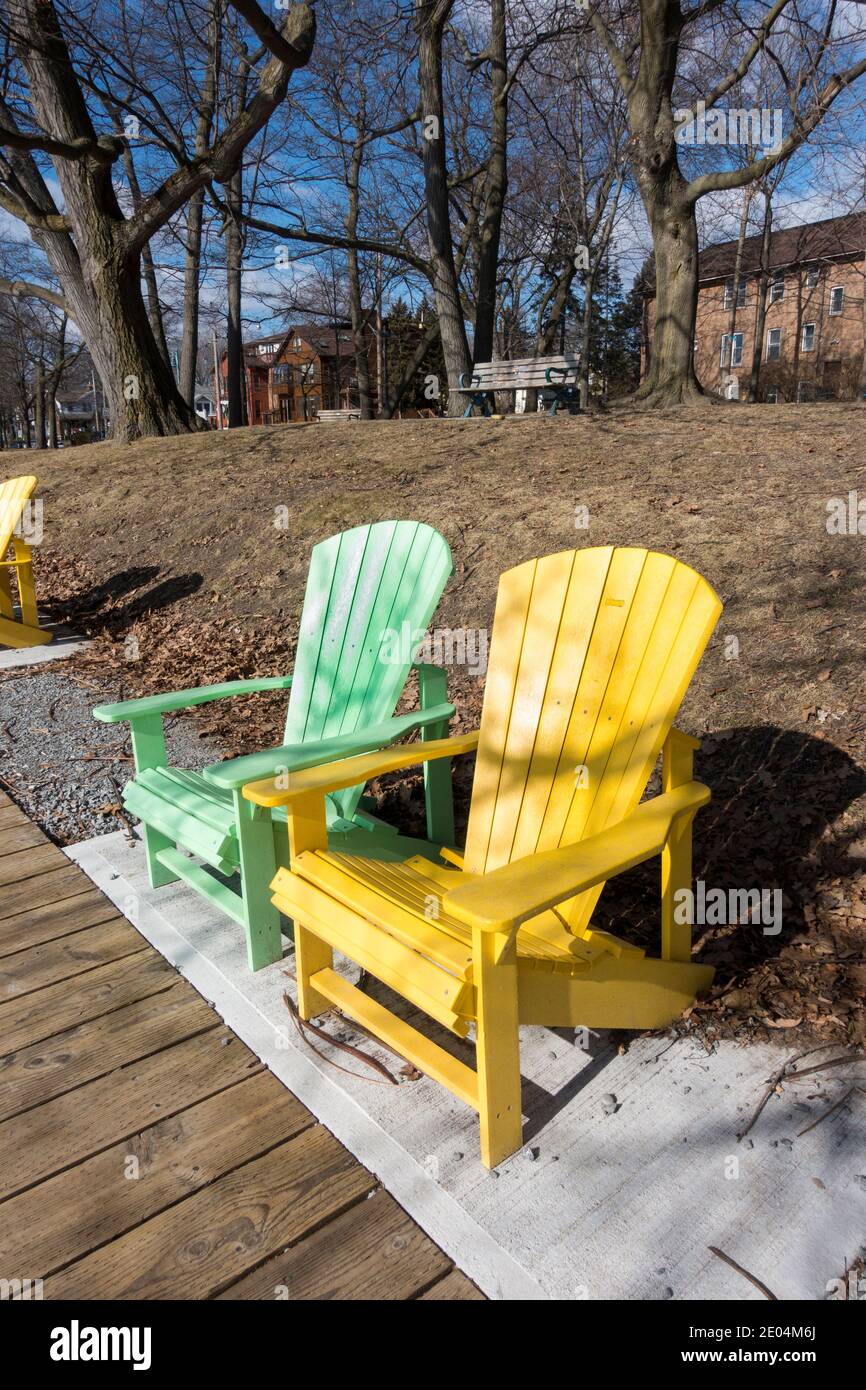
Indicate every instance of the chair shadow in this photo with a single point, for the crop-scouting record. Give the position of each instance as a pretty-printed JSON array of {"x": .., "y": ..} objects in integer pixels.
[
  {"x": 777, "y": 795},
  {"x": 101, "y": 609}
]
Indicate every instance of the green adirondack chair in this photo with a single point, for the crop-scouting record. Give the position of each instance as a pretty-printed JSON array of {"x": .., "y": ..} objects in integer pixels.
[{"x": 370, "y": 594}]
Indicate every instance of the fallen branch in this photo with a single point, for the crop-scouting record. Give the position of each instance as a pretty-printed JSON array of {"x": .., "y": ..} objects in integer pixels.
[
  {"x": 304, "y": 1026},
  {"x": 720, "y": 1255}
]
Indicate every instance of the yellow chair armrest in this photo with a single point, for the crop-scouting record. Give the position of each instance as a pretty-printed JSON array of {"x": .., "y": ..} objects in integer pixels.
[
  {"x": 501, "y": 900},
  {"x": 352, "y": 772}
]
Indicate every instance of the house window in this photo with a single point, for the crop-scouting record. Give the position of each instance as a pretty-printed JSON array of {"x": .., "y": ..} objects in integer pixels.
[
  {"x": 772, "y": 396},
  {"x": 308, "y": 373},
  {"x": 729, "y": 293},
  {"x": 777, "y": 286},
  {"x": 811, "y": 277},
  {"x": 732, "y": 350},
  {"x": 837, "y": 299},
  {"x": 774, "y": 344},
  {"x": 807, "y": 343},
  {"x": 282, "y": 374}
]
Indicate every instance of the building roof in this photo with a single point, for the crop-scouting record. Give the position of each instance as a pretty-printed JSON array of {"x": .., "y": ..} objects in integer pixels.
[{"x": 815, "y": 241}]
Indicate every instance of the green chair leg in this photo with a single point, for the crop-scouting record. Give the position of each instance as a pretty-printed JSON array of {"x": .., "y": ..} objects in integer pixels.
[
  {"x": 261, "y": 920},
  {"x": 148, "y": 749}
]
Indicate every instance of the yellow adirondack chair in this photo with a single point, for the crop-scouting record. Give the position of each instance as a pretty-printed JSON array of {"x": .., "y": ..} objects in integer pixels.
[
  {"x": 591, "y": 655},
  {"x": 26, "y": 632}
]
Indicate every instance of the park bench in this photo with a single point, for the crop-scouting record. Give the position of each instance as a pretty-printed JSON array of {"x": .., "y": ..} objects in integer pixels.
[
  {"x": 591, "y": 654},
  {"x": 555, "y": 378},
  {"x": 23, "y": 631},
  {"x": 351, "y": 413},
  {"x": 364, "y": 585}
]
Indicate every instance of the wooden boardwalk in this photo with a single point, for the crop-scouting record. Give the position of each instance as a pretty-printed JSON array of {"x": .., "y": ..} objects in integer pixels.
[{"x": 145, "y": 1152}]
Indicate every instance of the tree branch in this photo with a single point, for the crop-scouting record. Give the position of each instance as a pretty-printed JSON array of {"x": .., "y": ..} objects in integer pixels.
[
  {"x": 737, "y": 178},
  {"x": 23, "y": 289},
  {"x": 104, "y": 149},
  {"x": 219, "y": 163},
  {"x": 738, "y": 73}
]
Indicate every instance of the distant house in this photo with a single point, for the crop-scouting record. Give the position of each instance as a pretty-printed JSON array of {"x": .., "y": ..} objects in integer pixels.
[
  {"x": 294, "y": 374},
  {"x": 204, "y": 402},
  {"x": 79, "y": 414},
  {"x": 813, "y": 335}
]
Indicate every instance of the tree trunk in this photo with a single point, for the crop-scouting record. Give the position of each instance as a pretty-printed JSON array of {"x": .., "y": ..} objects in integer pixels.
[
  {"x": 670, "y": 377},
  {"x": 234, "y": 325},
  {"x": 39, "y": 406},
  {"x": 430, "y": 19},
  {"x": 861, "y": 389},
  {"x": 496, "y": 184},
  {"x": 763, "y": 290},
  {"x": 356, "y": 311},
  {"x": 195, "y": 217},
  {"x": 100, "y": 275}
]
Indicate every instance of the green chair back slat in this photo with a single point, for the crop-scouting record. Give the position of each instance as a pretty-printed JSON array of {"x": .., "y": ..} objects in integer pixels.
[{"x": 364, "y": 584}]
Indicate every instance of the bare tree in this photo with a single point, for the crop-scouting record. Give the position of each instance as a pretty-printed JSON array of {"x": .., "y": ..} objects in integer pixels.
[{"x": 93, "y": 246}]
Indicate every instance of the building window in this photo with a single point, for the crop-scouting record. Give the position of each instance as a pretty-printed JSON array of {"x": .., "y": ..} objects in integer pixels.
[
  {"x": 777, "y": 286},
  {"x": 732, "y": 350},
  {"x": 308, "y": 373},
  {"x": 837, "y": 300},
  {"x": 812, "y": 273},
  {"x": 729, "y": 293},
  {"x": 774, "y": 344},
  {"x": 808, "y": 340},
  {"x": 772, "y": 396},
  {"x": 282, "y": 374}
]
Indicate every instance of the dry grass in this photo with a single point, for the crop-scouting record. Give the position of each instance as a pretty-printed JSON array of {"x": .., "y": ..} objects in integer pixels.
[{"x": 174, "y": 543}]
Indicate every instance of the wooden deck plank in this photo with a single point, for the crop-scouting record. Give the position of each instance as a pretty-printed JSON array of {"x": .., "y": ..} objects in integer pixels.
[
  {"x": 454, "y": 1286},
  {"x": 68, "y": 1060},
  {"x": 26, "y": 864},
  {"x": 372, "y": 1251},
  {"x": 21, "y": 836},
  {"x": 70, "y": 1128},
  {"x": 40, "y": 1015},
  {"x": 48, "y": 921},
  {"x": 75, "y": 1212},
  {"x": 38, "y": 966},
  {"x": 197, "y": 1247},
  {"x": 111, "y": 1065},
  {"x": 52, "y": 887}
]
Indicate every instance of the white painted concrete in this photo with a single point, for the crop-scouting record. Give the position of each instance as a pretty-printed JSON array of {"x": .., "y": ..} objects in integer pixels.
[
  {"x": 620, "y": 1205},
  {"x": 64, "y": 644}
]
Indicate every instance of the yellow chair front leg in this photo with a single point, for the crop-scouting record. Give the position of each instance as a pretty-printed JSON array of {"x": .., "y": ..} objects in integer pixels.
[
  {"x": 6, "y": 610},
  {"x": 26, "y": 586},
  {"x": 308, "y": 830},
  {"x": 497, "y": 1048}
]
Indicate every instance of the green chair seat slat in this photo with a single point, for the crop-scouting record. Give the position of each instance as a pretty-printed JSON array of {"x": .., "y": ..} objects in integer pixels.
[
  {"x": 218, "y": 848},
  {"x": 191, "y": 793}
]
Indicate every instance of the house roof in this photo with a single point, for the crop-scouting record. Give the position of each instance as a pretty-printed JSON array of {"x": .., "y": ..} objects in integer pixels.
[{"x": 815, "y": 241}]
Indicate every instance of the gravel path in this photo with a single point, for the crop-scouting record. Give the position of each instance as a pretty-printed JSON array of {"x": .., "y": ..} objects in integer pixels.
[{"x": 64, "y": 768}]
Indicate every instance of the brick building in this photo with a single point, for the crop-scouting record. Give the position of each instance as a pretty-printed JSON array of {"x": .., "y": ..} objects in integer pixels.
[
  {"x": 812, "y": 342},
  {"x": 294, "y": 374}
]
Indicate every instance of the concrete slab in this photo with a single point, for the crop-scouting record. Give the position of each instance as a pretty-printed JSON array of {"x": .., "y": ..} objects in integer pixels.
[
  {"x": 599, "y": 1205},
  {"x": 64, "y": 644}
]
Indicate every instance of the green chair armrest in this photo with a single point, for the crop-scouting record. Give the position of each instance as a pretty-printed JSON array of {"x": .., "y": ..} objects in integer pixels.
[
  {"x": 185, "y": 699},
  {"x": 294, "y": 757},
  {"x": 501, "y": 900}
]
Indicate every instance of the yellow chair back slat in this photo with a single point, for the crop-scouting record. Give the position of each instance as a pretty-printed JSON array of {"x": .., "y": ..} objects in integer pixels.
[
  {"x": 591, "y": 654},
  {"x": 14, "y": 492}
]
